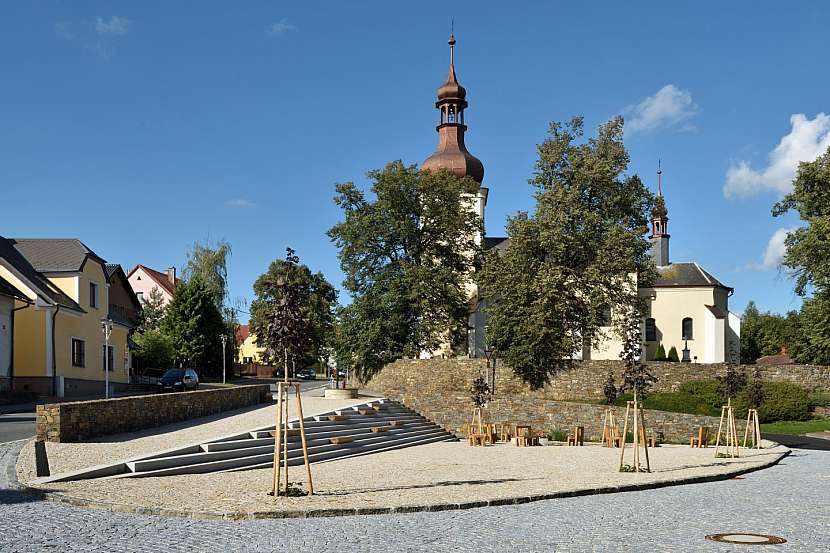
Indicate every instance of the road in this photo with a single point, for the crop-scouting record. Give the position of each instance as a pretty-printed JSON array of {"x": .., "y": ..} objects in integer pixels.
[{"x": 791, "y": 500}]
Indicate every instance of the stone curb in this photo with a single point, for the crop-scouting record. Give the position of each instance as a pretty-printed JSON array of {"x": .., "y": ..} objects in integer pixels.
[{"x": 61, "y": 497}]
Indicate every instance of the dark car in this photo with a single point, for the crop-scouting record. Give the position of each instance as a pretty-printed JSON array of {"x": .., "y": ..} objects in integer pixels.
[
  {"x": 307, "y": 374},
  {"x": 178, "y": 380}
]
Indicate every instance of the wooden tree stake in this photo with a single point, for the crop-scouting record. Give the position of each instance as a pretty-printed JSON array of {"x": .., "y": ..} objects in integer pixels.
[
  {"x": 302, "y": 437},
  {"x": 634, "y": 412}
]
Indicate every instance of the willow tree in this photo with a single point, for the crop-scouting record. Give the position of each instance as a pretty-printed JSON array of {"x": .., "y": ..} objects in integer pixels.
[
  {"x": 580, "y": 253},
  {"x": 407, "y": 255}
]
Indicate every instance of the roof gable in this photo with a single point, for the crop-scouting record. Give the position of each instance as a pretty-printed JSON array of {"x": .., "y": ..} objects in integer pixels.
[
  {"x": 686, "y": 274},
  {"x": 55, "y": 255},
  {"x": 158, "y": 277}
]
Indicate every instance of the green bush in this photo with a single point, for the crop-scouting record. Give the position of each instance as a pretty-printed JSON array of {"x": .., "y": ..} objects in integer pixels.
[
  {"x": 783, "y": 401},
  {"x": 819, "y": 399},
  {"x": 672, "y": 356},
  {"x": 660, "y": 354}
]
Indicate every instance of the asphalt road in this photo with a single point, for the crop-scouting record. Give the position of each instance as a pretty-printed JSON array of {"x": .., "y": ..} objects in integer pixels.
[{"x": 16, "y": 426}]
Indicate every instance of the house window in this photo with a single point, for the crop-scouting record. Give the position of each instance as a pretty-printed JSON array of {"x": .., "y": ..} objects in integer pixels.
[
  {"x": 687, "y": 330},
  {"x": 93, "y": 295},
  {"x": 605, "y": 316},
  {"x": 78, "y": 353},
  {"x": 140, "y": 296},
  {"x": 109, "y": 359},
  {"x": 651, "y": 330}
]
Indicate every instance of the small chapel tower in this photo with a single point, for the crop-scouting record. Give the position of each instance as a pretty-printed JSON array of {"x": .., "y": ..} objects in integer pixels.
[
  {"x": 660, "y": 225},
  {"x": 451, "y": 153}
]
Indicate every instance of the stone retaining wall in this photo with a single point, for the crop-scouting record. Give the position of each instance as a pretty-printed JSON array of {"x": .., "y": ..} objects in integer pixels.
[
  {"x": 80, "y": 420},
  {"x": 439, "y": 390}
]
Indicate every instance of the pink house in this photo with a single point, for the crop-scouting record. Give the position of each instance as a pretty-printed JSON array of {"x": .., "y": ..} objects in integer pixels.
[{"x": 143, "y": 279}]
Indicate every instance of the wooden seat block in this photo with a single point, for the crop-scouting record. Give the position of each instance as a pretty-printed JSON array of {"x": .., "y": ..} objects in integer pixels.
[
  {"x": 336, "y": 418},
  {"x": 291, "y": 433},
  {"x": 379, "y": 407},
  {"x": 396, "y": 423},
  {"x": 379, "y": 429},
  {"x": 365, "y": 412},
  {"x": 338, "y": 440}
]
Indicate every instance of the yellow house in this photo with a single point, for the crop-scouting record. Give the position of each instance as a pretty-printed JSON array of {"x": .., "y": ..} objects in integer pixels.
[
  {"x": 58, "y": 339},
  {"x": 248, "y": 351}
]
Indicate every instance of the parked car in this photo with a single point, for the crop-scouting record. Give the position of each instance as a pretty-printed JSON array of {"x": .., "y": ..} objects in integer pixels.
[
  {"x": 307, "y": 374},
  {"x": 178, "y": 380}
]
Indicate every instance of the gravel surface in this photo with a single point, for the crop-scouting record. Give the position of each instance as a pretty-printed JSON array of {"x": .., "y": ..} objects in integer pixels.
[
  {"x": 439, "y": 473},
  {"x": 65, "y": 457},
  {"x": 791, "y": 500}
]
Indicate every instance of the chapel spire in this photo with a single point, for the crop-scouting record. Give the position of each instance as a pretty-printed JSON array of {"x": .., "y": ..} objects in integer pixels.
[
  {"x": 452, "y": 153},
  {"x": 660, "y": 224}
]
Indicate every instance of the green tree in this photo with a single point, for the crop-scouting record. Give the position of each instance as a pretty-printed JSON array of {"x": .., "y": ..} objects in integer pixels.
[
  {"x": 407, "y": 256},
  {"x": 155, "y": 349},
  {"x": 582, "y": 251},
  {"x": 672, "y": 356},
  {"x": 194, "y": 325},
  {"x": 289, "y": 290},
  {"x": 808, "y": 247},
  {"x": 766, "y": 333},
  {"x": 636, "y": 377},
  {"x": 813, "y": 343},
  {"x": 209, "y": 262},
  {"x": 152, "y": 311},
  {"x": 660, "y": 354}
]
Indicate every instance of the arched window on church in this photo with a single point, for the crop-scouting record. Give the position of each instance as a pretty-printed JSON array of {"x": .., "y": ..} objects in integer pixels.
[
  {"x": 687, "y": 329},
  {"x": 651, "y": 330}
]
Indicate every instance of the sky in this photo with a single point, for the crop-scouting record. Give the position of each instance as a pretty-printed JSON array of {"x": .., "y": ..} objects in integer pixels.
[{"x": 142, "y": 127}]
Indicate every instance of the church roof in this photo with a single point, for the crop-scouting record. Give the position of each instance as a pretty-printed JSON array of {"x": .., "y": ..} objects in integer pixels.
[
  {"x": 686, "y": 274},
  {"x": 498, "y": 242}
]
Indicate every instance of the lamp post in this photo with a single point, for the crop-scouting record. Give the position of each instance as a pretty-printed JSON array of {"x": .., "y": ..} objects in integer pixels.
[
  {"x": 106, "y": 328},
  {"x": 224, "y": 339}
]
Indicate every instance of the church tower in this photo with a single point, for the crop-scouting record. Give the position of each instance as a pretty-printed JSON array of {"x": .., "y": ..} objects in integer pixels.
[
  {"x": 452, "y": 153},
  {"x": 659, "y": 225}
]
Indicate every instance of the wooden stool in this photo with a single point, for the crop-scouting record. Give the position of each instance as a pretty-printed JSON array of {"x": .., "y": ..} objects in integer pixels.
[{"x": 578, "y": 436}]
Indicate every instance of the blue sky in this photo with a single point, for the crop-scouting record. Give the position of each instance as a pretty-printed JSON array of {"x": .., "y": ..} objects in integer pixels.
[{"x": 143, "y": 127}]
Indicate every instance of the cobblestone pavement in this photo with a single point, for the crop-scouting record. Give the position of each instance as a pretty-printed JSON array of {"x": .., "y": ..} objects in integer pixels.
[{"x": 791, "y": 500}]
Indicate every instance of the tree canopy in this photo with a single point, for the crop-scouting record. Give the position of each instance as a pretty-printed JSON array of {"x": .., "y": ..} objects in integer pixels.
[
  {"x": 194, "y": 325},
  {"x": 573, "y": 258},
  {"x": 293, "y": 313},
  {"x": 407, "y": 256}
]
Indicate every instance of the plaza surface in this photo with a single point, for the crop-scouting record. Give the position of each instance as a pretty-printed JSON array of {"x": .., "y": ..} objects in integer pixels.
[
  {"x": 445, "y": 474},
  {"x": 790, "y": 499}
]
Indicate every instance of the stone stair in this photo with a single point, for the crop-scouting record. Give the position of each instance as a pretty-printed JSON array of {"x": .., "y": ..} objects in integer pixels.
[{"x": 362, "y": 429}]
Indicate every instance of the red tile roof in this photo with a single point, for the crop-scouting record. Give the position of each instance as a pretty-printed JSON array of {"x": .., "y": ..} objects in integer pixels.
[
  {"x": 242, "y": 334},
  {"x": 778, "y": 359},
  {"x": 158, "y": 276}
]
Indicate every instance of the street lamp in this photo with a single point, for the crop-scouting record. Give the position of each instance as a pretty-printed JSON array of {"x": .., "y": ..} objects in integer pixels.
[
  {"x": 224, "y": 339},
  {"x": 490, "y": 353},
  {"x": 106, "y": 328}
]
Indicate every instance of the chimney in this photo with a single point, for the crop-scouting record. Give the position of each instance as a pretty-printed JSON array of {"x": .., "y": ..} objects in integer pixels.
[{"x": 171, "y": 275}]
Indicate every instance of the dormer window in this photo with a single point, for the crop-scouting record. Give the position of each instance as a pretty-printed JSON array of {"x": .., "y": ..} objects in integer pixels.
[{"x": 93, "y": 295}]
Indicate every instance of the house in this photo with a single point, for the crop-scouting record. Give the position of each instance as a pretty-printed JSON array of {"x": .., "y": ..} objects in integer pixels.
[
  {"x": 58, "y": 343},
  {"x": 144, "y": 280},
  {"x": 9, "y": 296},
  {"x": 249, "y": 352}
]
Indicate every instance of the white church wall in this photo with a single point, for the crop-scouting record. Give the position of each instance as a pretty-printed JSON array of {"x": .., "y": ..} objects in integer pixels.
[{"x": 733, "y": 338}]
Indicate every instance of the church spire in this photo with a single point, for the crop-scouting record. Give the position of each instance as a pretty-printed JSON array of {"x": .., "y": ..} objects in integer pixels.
[
  {"x": 660, "y": 224},
  {"x": 452, "y": 153}
]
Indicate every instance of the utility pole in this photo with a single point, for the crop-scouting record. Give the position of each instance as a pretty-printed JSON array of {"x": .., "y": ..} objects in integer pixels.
[
  {"x": 106, "y": 328},
  {"x": 224, "y": 339}
]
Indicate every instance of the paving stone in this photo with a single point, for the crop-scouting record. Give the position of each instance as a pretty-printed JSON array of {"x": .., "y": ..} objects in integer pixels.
[{"x": 791, "y": 500}]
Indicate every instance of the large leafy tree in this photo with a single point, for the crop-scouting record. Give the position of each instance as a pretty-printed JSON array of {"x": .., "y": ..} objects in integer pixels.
[
  {"x": 194, "y": 324},
  {"x": 808, "y": 256},
  {"x": 293, "y": 313},
  {"x": 407, "y": 256},
  {"x": 580, "y": 253}
]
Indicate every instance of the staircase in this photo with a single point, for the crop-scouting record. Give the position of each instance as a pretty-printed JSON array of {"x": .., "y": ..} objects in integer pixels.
[{"x": 379, "y": 425}]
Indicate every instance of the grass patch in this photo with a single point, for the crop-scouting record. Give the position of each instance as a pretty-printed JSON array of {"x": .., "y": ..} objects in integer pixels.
[{"x": 796, "y": 428}]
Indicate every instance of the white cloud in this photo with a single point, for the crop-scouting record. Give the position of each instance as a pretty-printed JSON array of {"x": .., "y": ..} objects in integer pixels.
[
  {"x": 115, "y": 26},
  {"x": 774, "y": 254},
  {"x": 805, "y": 142},
  {"x": 668, "y": 107},
  {"x": 239, "y": 202},
  {"x": 281, "y": 27}
]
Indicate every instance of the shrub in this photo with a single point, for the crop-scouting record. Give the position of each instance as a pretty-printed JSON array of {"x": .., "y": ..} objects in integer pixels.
[
  {"x": 672, "y": 356},
  {"x": 819, "y": 399},
  {"x": 660, "y": 354},
  {"x": 783, "y": 401}
]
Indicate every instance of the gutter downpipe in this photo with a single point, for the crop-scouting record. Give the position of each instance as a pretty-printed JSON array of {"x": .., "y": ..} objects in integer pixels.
[
  {"x": 54, "y": 353},
  {"x": 11, "y": 349}
]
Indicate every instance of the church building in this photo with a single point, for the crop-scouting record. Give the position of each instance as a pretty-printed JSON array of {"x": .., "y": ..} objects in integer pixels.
[{"x": 688, "y": 308}]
